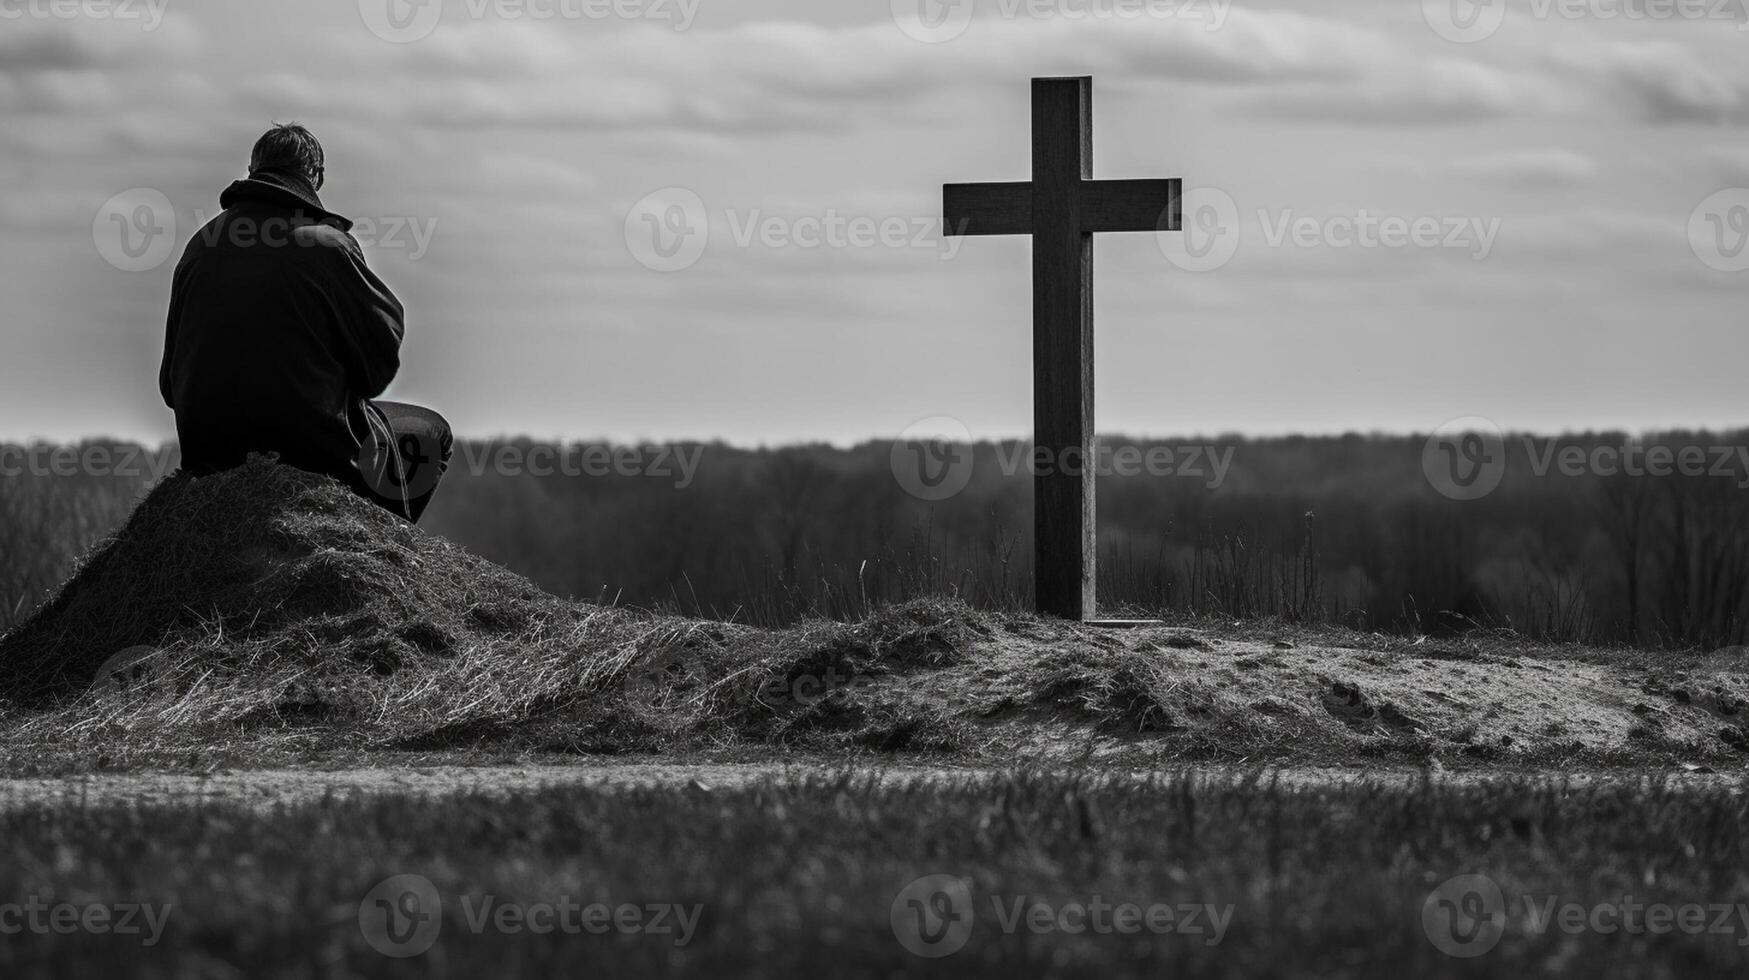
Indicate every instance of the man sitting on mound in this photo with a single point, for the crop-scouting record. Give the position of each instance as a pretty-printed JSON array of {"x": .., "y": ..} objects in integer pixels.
[{"x": 279, "y": 336}]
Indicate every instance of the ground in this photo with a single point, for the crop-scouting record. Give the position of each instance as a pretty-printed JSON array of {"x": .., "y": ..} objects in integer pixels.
[{"x": 290, "y": 736}]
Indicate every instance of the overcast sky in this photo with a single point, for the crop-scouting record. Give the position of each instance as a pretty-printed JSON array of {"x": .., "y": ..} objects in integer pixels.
[{"x": 1554, "y": 188}]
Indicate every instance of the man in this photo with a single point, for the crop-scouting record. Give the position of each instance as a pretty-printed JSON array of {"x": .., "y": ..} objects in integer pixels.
[{"x": 279, "y": 336}]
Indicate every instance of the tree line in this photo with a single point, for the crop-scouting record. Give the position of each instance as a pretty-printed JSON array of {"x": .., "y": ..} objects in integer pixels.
[{"x": 1583, "y": 538}]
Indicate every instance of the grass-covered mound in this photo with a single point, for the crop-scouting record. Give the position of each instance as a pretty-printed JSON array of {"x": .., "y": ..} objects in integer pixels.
[
  {"x": 264, "y": 556},
  {"x": 271, "y": 612},
  {"x": 272, "y": 605}
]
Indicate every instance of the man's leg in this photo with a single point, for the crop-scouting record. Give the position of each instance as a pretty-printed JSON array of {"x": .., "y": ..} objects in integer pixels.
[{"x": 406, "y": 457}]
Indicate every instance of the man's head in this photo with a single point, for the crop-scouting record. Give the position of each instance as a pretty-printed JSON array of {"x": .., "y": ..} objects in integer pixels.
[{"x": 288, "y": 149}]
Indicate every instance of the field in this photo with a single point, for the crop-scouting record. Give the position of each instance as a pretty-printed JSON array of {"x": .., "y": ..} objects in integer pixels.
[
  {"x": 272, "y": 731},
  {"x": 1023, "y": 873}
]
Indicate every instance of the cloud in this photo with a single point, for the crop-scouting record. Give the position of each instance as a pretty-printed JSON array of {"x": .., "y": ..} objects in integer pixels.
[
  {"x": 771, "y": 77},
  {"x": 48, "y": 68},
  {"x": 24, "y": 51},
  {"x": 1528, "y": 168},
  {"x": 1252, "y": 48},
  {"x": 29, "y": 45},
  {"x": 1663, "y": 81},
  {"x": 1731, "y": 165},
  {"x": 1701, "y": 78},
  {"x": 525, "y": 173},
  {"x": 1437, "y": 92},
  {"x": 1597, "y": 234}
]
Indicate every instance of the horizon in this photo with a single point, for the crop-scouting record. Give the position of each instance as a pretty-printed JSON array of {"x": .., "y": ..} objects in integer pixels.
[{"x": 1127, "y": 438}]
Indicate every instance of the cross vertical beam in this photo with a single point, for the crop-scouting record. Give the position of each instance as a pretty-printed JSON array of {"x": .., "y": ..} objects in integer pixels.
[
  {"x": 1062, "y": 208},
  {"x": 1064, "y": 525}
]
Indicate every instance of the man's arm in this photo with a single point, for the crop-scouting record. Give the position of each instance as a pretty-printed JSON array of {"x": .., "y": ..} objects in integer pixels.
[
  {"x": 372, "y": 320},
  {"x": 166, "y": 386}
]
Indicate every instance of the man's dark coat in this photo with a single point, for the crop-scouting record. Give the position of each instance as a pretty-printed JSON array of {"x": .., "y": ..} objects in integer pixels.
[{"x": 277, "y": 334}]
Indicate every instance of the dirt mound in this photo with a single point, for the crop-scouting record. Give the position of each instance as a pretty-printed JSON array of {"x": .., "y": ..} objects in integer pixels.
[
  {"x": 263, "y": 553},
  {"x": 270, "y": 607},
  {"x": 271, "y": 613}
]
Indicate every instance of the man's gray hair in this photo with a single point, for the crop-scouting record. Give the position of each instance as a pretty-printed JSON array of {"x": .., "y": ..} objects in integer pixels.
[{"x": 288, "y": 148}]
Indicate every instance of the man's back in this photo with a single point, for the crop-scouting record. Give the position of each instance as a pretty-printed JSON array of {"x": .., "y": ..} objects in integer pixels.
[{"x": 277, "y": 333}]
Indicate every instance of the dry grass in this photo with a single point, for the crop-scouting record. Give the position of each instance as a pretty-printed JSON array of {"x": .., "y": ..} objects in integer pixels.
[
  {"x": 269, "y": 609},
  {"x": 799, "y": 875}
]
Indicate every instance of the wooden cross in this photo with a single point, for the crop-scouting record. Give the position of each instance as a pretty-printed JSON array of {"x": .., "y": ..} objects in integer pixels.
[{"x": 1062, "y": 208}]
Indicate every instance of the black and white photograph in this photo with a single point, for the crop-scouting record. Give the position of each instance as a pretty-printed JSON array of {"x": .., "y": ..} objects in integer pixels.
[{"x": 616, "y": 488}]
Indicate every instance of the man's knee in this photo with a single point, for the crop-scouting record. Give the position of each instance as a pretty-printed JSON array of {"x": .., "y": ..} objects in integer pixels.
[
  {"x": 442, "y": 434},
  {"x": 428, "y": 430}
]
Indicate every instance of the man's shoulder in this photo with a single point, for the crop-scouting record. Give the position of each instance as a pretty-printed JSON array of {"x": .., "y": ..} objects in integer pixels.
[
  {"x": 327, "y": 235},
  {"x": 247, "y": 227}
]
